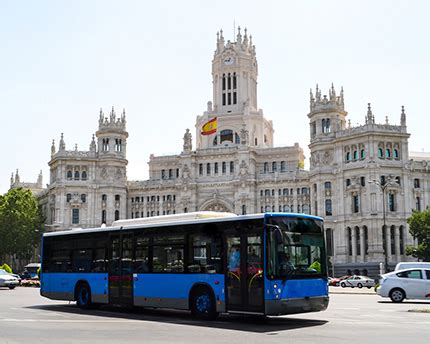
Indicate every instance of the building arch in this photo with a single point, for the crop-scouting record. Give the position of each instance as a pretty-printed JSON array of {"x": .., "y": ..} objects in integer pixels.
[{"x": 217, "y": 204}]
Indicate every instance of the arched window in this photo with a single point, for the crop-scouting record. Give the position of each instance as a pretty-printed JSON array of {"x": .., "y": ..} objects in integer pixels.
[
  {"x": 208, "y": 169},
  {"x": 362, "y": 154},
  {"x": 396, "y": 154},
  {"x": 226, "y": 135},
  {"x": 282, "y": 166},
  {"x": 285, "y": 192},
  {"x": 267, "y": 208},
  {"x": 216, "y": 168},
  {"x": 76, "y": 175},
  {"x": 266, "y": 167},
  {"x": 104, "y": 197},
  {"x": 355, "y": 155},
  {"x": 348, "y": 156},
  {"x": 116, "y": 215},
  {"x": 215, "y": 141},
  {"x": 274, "y": 166},
  {"x": 388, "y": 153},
  {"x": 104, "y": 216},
  {"x": 84, "y": 175},
  {"x": 224, "y": 167},
  {"x": 117, "y": 197},
  {"x": 380, "y": 153},
  {"x": 327, "y": 185},
  {"x": 84, "y": 198},
  {"x": 286, "y": 209},
  {"x": 69, "y": 175},
  {"x": 402, "y": 240},
  {"x": 306, "y": 209},
  {"x": 243, "y": 209},
  {"x": 68, "y": 197}
]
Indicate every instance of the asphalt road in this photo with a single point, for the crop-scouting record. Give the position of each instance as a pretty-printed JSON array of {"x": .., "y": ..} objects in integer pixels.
[{"x": 352, "y": 317}]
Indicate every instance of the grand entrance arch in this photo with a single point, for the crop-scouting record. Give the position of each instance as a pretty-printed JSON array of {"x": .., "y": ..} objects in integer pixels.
[{"x": 217, "y": 205}]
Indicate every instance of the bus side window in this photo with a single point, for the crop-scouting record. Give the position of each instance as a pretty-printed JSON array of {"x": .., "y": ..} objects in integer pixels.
[
  {"x": 99, "y": 260},
  {"x": 141, "y": 262},
  {"x": 205, "y": 254}
]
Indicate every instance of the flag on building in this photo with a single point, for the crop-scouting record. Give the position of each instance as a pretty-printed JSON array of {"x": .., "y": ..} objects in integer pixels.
[{"x": 209, "y": 127}]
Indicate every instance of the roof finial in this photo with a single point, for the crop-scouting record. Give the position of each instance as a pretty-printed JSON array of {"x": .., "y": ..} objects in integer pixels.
[
  {"x": 370, "y": 119},
  {"x": 403, "y": 117}
]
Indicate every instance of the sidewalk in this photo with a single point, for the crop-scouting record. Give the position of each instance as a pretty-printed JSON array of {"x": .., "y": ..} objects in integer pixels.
[{"x": 358, "y": 291}]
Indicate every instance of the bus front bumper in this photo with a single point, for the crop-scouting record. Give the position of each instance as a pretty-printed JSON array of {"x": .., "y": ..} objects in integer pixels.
[{"x": 300, "y": 305}]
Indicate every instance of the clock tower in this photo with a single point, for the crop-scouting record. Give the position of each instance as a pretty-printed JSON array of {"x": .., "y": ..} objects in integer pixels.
[{"x": 234, "y": 80}]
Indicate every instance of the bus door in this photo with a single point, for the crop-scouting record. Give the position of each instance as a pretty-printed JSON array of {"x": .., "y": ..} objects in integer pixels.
[
  {"x": 121, "y": 269},
  {"x": 244, "y": 279}
]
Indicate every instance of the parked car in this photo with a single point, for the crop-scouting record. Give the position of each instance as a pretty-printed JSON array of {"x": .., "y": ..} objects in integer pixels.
[
  {"x": 358, "y": 281},
  {"x": 405, "y": 284},
  {"x": 7, "y": 280},
  {"x": 335, "y": 281},
  {"x": 410, "y": 265}
]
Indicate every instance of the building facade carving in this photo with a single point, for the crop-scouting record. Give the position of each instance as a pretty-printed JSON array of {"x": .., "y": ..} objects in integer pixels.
[{"x": 238, "y": 169}]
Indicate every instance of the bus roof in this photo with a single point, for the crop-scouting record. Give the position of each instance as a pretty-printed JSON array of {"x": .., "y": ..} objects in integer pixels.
[{"x": 177, "y": 219}]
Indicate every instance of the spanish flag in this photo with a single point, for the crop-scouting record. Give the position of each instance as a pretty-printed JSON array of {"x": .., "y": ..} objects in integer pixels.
[{"x": 209, "y": 127}]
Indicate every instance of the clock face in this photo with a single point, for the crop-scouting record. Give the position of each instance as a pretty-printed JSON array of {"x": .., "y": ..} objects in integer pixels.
[{"x": 229, "y": 60}]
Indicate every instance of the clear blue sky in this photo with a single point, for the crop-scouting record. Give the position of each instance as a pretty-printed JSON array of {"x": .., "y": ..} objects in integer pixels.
[{"x": 62, "y": 60}]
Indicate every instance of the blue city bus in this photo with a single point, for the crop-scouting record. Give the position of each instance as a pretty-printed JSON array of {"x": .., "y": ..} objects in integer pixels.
[{"x": 205, "y": 262}]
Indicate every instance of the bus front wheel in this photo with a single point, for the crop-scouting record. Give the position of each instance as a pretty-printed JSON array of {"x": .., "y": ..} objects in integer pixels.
[
  {"x": 83, "y": 296},
  {"x": 203, "y": 304}
]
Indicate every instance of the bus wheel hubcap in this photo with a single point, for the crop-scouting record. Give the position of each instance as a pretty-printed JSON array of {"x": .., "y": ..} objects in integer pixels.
[{"x": 203, "y": 303}]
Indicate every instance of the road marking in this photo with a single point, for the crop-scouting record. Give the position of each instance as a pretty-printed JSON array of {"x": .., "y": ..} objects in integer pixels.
[{"x": 69, "y": 320}]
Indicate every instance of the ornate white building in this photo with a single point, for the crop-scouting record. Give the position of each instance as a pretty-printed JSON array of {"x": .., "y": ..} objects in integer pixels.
[{"x": 238, "y": 169}]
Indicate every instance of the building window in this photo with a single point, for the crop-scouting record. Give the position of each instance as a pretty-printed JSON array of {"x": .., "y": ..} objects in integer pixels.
[
  {"x": 391, "y": 202},
  {"x": 363, "y": 181},
  {"x": 76, "y": 175},
  {"x": 68, "y": 197},
  {"x": 348, "y": 182},
  {"x": 266, "y": 167},
  {"x": 355, "y": 155},
  {"x": 243, "y": 209},
  {"x": 355, "y": 204},
  {"x": 362, "y": 154},
  {"x": 285, "y": 192},
  {"x": 274, "y": 166},
  {"x": 84, "y": 198},
  {"x": 84, "y": 175},
  {"x": 231, "y": 167},
  {"x": 208, "y": 169},
  {"x": 170, "y": 173},
  {"x": 117, "y": 197},
  {"x": 388, "y": 153},
  {"x": 104, "y": 197},
  {"x": 418, "y": 204},
  {"x": 327, "y": 185},
  {"x": 326, "y": 125},
  {"x": 416, "y": 183},
  {"x": 163, "y": 174},
  {"x": 380, "y": 153},
  {"x": 104, "y": 216},
  {"x": 396, "y": 154},
  {"x": 328, "y": 209},
  {"x": 348, "y": 156},
  {"x": 282, "y": 166},
  {"x": 75, "y": 216},
  {"x": 216, "y": 168},
  {"x": 398, "y": 180},
  {"x": 224, "y": 168},
  {"x": 118, "y": 145},
  {"x": 105, "y": 145},
  {"x": 329, "y": 237},
  {"x": 201, "y": 169},
  {"x": 402, "y": 240},
  {"x": 69, "y": 175},
  {"x": 117, "y": 215}
]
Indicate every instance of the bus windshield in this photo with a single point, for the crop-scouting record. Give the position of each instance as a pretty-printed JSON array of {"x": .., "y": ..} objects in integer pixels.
[{"x": 297, "y": 250}]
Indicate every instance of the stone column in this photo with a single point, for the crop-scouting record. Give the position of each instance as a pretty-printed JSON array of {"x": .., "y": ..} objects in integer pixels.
[
  {"x": 397, "y": 243},
  {"x": 354, "y": 244},
  {"x": 362, "y": 244},
  {"x": 388, "y": 242}
]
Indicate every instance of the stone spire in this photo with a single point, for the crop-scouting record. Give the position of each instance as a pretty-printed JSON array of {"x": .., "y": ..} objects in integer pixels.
[
  {"x": 93, "y": 144},
  {"x": 403, "y": 117},
  {"x": 239, "y": 36},
  {"x": 62, "y": 144},
  {"x": 11, "y": 180},
  {"x": 40, "y": 179},
  {"x": 17, "y": 177},
  {"x": 53, "y": 147},
  {"x": 370, "y": 119}
]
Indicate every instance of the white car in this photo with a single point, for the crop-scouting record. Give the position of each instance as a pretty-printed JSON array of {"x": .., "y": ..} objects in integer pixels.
[
  {"x": 405, "y": 284},
  {"x": 357, "y": 281},
  {"x": 7, "y": 280}
]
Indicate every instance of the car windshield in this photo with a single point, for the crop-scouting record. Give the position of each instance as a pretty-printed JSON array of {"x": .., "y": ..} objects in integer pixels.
[
  {"x": 300, "y": 252},
  {"x": 2, "y": 272}
]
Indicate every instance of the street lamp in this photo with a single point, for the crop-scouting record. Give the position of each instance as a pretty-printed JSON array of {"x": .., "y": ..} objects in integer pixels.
[{"x": 383, "y": 185}]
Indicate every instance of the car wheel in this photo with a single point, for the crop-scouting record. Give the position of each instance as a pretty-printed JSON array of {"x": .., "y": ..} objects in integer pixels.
[
  {"x": 203, "y": 304},
  {"x": 83, "y": 296},
  {"x": 12, "y": 287},
  {"x": 397, "y": 295},
  {"x": 369, "y": 287},
  {"x": 343, "y": 285},
  {"x": 359, "y": 285}
]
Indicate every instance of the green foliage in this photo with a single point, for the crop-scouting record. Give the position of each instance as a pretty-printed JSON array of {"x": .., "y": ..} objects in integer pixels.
[
  {"x": 21, "y": 223},
  {"x": 38, "y": 273},
  {"x": 6, "y": 268},
  {"x": 419, "y": 227}
]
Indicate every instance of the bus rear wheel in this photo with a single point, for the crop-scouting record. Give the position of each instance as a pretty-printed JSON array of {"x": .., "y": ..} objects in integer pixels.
[
  {"x": 83, "y": 296},
  {"x": 203, "y": 304}
]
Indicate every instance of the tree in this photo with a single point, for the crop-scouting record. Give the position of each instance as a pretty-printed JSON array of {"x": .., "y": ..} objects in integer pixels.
[
  {"x": 21, "y": 224},
  {"x": 419, "y": 227}
]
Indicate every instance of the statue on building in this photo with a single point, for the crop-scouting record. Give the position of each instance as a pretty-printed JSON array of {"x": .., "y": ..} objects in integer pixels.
[{"x": 188, "y": 144}]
